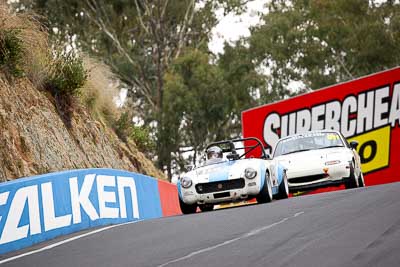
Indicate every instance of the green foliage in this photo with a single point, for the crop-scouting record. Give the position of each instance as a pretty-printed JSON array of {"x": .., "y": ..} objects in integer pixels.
[
  {"x": 140, "y": 135},
  {"x": 246, "y": 86},
  {"x": 122, "y": 126},
  {"x": 321, "y": 42},
  {"x": 197, "y": 105},
  {"x": 140, "y": 40},
  {"x": 64, "y": 81},
  {"x": 11, "y": 52},
  {"x": 67, "y": 75}
]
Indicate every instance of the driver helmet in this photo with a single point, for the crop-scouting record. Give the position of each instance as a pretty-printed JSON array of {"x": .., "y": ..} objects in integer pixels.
[{"x": 214, "y": 152}]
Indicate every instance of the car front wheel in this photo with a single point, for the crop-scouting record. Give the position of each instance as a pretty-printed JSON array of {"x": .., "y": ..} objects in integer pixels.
[
  {"x": 187, "y": 208},
  {"x": 265, "y": 194},
  {"x": 352, "y": 181},
  {"x": 283, "y": 188},
  {"x": 361, "y": 182},
  {"x": 206, "y": 207}
]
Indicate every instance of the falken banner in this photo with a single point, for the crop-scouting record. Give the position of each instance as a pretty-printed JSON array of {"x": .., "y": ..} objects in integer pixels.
[
  {"x": 365, "y": 109},
  {"x": 42, "y": 207}
]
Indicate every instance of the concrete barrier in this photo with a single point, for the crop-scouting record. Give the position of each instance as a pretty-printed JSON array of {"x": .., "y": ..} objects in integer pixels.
[{"x": 43, "y": 207}]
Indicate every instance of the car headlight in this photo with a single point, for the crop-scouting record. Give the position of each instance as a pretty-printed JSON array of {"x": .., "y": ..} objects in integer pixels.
[
  {"x": 250, "y": 173},
  {"x": 332, "y": 162},
  {"x": 186, "y": 182}
]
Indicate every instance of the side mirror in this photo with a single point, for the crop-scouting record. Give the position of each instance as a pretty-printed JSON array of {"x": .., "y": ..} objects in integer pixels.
[{"x": 354, "y": 144}]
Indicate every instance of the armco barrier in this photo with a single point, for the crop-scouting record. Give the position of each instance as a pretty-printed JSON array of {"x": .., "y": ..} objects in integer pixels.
[{"x": 40, "y": 208}]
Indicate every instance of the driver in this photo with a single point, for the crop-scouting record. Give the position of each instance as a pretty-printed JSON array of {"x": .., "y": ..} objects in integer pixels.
[{"x": 214, "y": 152}]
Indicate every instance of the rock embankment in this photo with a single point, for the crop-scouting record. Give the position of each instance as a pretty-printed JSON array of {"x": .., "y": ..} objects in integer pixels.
[{"x": 35, "y": 140}]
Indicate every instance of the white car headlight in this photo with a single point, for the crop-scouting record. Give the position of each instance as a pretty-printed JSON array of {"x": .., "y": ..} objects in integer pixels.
[
  {"x": 186, "y": 182},
  {"x": 250, "y": 173},
  {"x": 332, "y": 162}
]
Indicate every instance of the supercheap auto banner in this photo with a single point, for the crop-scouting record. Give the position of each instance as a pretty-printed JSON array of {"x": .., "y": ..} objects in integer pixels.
[
  {"x": 39, "y": 208},
  {"x": 365, "y": 109}
]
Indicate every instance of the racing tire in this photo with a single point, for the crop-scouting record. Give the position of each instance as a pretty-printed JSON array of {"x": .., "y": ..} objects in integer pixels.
[
  {"x": 352, "y": 180},
  {"x": 187, "y": 208},
  {"x": 265, "y": 194},
  {"x": 283, "y": 188},
  {"x": 361, "y": 182},
  {"x": 206, "y": 207}
]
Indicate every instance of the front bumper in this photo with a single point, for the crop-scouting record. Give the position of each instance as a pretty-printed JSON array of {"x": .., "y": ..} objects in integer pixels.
[
  {"x": 316, "y": 177},
  {"x": 221, "y": 192}
]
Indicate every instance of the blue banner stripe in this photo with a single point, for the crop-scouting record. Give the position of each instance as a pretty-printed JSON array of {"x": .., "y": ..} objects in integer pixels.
[{"x": 42, "y": 207}]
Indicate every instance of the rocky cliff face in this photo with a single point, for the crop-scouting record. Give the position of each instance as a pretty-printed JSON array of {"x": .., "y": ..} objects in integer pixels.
[{"x": 35, "y": 140}]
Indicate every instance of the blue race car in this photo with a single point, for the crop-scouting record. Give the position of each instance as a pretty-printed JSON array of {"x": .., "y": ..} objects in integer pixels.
[{"x": 234, "y": 170}]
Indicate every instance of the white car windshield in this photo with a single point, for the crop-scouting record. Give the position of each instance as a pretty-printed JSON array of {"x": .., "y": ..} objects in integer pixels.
[{"x": 308, "y": 141}]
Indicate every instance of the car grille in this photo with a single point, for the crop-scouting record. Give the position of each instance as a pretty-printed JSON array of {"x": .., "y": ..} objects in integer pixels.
[
  {"x": 219, "y": 186},
  {"x": 307, "y": 179},
  {"x": 222, "y": 195}
]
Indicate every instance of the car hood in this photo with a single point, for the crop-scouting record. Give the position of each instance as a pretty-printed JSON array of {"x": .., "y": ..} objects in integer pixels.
[
  {"x": 222, "y": 171},
  {"x": 314, "y": 157}
]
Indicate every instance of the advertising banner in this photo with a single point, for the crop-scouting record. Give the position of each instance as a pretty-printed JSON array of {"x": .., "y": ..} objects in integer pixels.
[
  {"x": 42, "y": 207},
  {"x": 365, "y": 109}
]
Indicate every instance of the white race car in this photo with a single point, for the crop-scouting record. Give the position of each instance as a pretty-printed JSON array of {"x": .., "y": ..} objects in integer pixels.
[
  {"x": 228, "y": 176},
  {"x": 318, "y": 159}
]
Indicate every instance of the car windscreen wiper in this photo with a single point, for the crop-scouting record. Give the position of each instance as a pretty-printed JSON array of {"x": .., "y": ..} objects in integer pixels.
[{"x": 301, "y": 150}]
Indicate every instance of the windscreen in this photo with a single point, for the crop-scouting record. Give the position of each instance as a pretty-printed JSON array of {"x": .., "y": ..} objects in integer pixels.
[{"x": 308, "y": 141}]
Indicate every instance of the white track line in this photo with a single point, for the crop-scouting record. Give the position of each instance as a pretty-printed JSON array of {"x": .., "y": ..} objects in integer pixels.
[
  {"x": 64, "y": 242},
  {"x": 251, "y": 233}
]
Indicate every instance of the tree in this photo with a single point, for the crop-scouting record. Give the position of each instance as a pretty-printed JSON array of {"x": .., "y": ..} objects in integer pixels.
[
  {"x": 247, "y": 86},
  {"x": 139, "y": 39},
  {"x": 322, "y": 42},
  {"x": 197, "y": 103}
]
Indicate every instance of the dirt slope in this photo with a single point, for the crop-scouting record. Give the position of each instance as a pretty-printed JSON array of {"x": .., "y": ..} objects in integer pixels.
[{"x": 35, "y": 140}]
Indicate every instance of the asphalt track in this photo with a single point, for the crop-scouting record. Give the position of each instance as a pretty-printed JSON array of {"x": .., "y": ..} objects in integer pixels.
[{"x": 359, "y": 227}]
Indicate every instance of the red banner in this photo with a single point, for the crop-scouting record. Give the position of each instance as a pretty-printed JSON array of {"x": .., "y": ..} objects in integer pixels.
[
  {"x": 365, "y": 109},
  {"x": 169, "y": 198}
]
